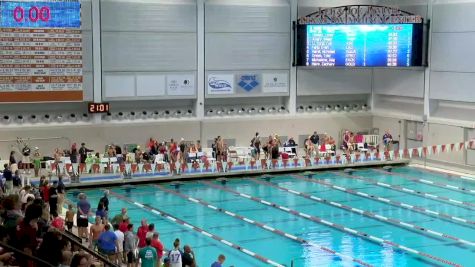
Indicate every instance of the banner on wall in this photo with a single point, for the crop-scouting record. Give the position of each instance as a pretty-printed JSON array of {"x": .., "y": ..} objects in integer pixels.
[
  {"x": 220, "y": 84},
  {"x": 248, "y": 82},
  {"x": 275, "y": 83},
  {"x": 181, "y": 84}
]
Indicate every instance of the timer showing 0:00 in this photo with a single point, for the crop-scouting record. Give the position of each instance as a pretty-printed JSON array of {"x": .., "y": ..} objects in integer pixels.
[{"x": 34, "y": 14}]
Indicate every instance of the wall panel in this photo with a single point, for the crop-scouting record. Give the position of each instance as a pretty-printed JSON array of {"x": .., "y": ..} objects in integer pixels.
[
  {"x": 399, "y": 82},
  {"x": 452, "y": 86},
  {"x": 333, "y": 81}
]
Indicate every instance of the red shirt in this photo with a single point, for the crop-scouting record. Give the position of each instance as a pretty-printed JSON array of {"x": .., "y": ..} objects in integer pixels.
[
  {"x": 45, "y": 190},
  {"x": 123, "y": 227},
  {"x": 158, "y": 246},
  {"x": 142, "y": 235},
  {"x": 26, "y": 236},
  {"x": 58, "y": 223}
]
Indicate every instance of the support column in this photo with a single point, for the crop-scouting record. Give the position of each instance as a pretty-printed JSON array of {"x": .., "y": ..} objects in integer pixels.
[
  {"x": 97, "y": 55},
  {"x": 292, "y": 100},
  {"x": 200, "y": 38}
]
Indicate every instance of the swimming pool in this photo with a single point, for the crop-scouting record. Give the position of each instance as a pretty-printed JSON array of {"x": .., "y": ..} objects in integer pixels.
[{"x": 409, "y": 217}]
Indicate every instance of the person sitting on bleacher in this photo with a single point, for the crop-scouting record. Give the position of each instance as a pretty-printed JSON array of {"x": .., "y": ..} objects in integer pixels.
[{"x": 291, "y": 143}]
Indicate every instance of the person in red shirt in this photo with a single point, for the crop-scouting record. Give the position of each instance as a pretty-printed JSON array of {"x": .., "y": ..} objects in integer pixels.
[
  {"x": 44, "y": 188},
  {"x": 26, "y": 233},
  {"x": 142, "y": 233},
  {"x": 123, "y": 225},
  {"x": 57, "y": 221},
  {"x": 157, "y": 244}
]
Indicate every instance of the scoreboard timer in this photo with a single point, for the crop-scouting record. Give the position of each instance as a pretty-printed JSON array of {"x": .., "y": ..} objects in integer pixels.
[{"x": 98, "y": 107}]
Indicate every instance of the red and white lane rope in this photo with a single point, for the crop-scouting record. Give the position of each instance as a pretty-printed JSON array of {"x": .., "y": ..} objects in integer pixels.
[
  {"x": 418, "y": 209},
  {"x": 424, "y": 181},
  {"x": 463, "y": 204},
  {"x": 334, "y": 225},
  {"x": 369, "y": 214},
  {"x": 262, "y": 225},
  {"x": 197, "y": 229}
]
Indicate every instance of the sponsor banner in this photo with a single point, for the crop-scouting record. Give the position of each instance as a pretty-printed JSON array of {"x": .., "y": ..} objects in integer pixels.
[
  {"x": 275, "y": 83},
  {"x": 181, "y": 84},
  {"x": 220, "y": 84},
  {"x": 248, "y": 82}
]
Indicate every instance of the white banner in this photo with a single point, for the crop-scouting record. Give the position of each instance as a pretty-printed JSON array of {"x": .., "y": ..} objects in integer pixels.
[
  {"x": 220, "y": 84},
  {"x": 275, "y": 83},
  {"x": 181, "y": 84}
]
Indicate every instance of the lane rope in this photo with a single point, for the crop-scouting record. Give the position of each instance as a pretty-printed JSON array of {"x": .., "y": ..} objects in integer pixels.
[
  {"x": 261, "y": 225},
  {"x": 339, "y": 227},
  {"x": 428, "y": 182},
  {"x": 197, "y": 229},
  {"x": 403, "y": 205},
  {"x": 369, "y": 214},
  {"x": 458, "y": 203}
]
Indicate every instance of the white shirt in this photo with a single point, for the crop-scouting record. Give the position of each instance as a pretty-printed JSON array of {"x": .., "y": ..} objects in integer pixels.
[
  {"x": 25, "y": 196},
  {"x": 175, "y": 258},
  {"x": 120, "y": 240}
]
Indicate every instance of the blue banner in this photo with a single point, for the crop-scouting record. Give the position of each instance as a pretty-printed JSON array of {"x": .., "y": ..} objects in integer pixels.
[{"x": 37, "y": 14}]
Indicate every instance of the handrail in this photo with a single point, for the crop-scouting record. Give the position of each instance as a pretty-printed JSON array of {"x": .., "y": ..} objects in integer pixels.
[
  {"x": 25, "y": 255},
  {"x": 88, "y": 250}
]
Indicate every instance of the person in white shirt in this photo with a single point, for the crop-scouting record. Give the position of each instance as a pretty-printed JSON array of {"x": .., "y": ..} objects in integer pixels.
[
  {"x": 120, "y": 244},
  {"x": 175, "y": 254},
  {"x": 25, "y": 194}
]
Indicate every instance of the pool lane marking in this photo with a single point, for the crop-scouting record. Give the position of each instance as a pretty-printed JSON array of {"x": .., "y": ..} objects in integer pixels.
[
  {"x": 449, "y": 175},
  {"x": 458, "y": 203},
  {"x": 427, "y": 182},
  {"x": 196, "y": 229},
  {"x": 391, "y": 202},
  {"x": 369, "y": 214},
  {"x": 261, "y": 225},
  {"x": 342, "y": 228}
]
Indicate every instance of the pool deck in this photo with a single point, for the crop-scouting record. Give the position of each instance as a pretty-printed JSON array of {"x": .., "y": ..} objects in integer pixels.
[{"x": 233, "y": 174}]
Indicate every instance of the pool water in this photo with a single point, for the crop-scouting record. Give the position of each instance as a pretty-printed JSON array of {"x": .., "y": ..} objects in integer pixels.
[{"x": 279, "y": 248}]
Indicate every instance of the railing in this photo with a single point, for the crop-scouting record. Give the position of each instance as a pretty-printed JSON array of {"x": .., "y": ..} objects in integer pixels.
[
  {"x": 24, "y": 255},
  {"x": 78, "y": 242}
]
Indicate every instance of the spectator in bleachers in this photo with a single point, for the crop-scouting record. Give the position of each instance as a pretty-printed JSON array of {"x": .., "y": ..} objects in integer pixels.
[
  {"x": 57, "y": 221},
  {"x": 66, "y": 252}
]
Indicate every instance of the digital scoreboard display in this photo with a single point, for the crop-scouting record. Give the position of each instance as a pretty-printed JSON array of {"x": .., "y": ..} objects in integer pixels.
[
  {"x": 41, "y": 51},
  {"x": 40, "y": 14},
  {"x": 371, "y": 45}
]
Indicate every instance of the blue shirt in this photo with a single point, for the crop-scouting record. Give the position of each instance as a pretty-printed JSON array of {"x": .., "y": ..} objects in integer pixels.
[
  {"x": 216, "y": 264},
  {"x": 84, "y": 206},
  {"x": 107, "y": 241}
]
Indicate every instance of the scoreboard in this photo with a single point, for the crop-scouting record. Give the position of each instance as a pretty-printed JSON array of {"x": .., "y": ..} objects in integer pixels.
[{"x": 41, "y": 56}]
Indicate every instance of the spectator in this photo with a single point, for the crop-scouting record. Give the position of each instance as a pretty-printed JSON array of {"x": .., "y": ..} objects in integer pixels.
[
  {"x": 105, "y": 200},
  {"x": 130, "y": 245},
  {"x": 387, "y": 140},
  {"x": 166, "y": 262},
  {"x": 219, "y": 262},
  {"x": 83, "y": 152},
  {"x": 66, "y": 252},
  {"x": 123, "y": 225},
  {"x": 151, "y": 230},
  {"x": 142, "y": 233},
  {"x": 80, "y": 260},
  {"x": 120, "y": 244},
  {"x": 12, "y": 215},
  {"x": 95, "y": 232},
  {"x": 101, "y": 212},
  {"x": 26, "y": 232},
  {"x": 16, "y": 182},
  {"x": 82, "y": 216},
  {"x": 53, "y": 198},
  {"x": 315, "y": 138},
  {"x": 57, "y": 221},
  {"x": 50, "y": 248},
  {"x": 148, "y": 255},
  {"x": 120, "y": 217},
  {"x": 188, "y": 257},
  {"x": 7, "y": 175},
  {"x": 107, "y": 243},
  {"x": 175, "y": 254},
  {"x": 70, "y": 218},
  {"x": 157, "y": 244},
  {"x": 61, "y": 190}
]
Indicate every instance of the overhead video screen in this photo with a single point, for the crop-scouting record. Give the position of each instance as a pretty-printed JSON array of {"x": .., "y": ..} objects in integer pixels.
[{"x": 375, "y": 45}]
